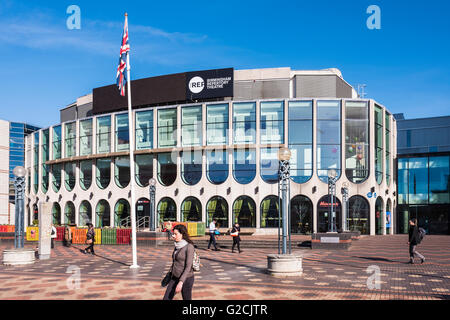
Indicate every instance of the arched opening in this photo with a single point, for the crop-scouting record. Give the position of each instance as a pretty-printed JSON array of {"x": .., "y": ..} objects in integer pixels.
[
  {"x": 358, "y": 215},
  {"x": 56, "y": 213},
  {"x": 122, "y": 213},
  {"x": 389, "y": 216},
  {"x": 167, "y": 210},
  {"x": 324, "y": 213},
  {"x": 270, "y": 212},
  {"x": 103, "y": 172},
  {"x": 217, "y": 208},
  {"x": 69, "y": 213},
  {"x": 85, "y": 213},
  {"x": 122, "y": 171},
  {"x": 191, "y": 209},
  {"x": 301, "y": 215},
  {"x": 244, "y": 212},
  {"x": 217, "y": 166},
  {"x": 167, "y": 169},
  {"x": 143, "y": 212},
  {"x": 103, "y": 214},
  {"x": 191, "y": 167},
  {"x": 85, "y": 174},
  {"x": 379, "y": 216}
]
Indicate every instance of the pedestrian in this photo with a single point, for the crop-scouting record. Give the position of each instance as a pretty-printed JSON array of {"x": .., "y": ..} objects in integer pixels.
[
  {"x": 212, "y": 234},
  {"x": 167, "y": 226},
  {"x": 182, "y": 278},
  {"x": 67, "y": 236},
  {"x": 413, "y": 241},
  {"x": 90, "y": 239},
  {"x": 53, "y": 236},
  {"x": 235, "y": 233}
]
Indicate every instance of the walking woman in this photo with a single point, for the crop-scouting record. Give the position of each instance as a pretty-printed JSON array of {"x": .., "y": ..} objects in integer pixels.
[
  {"x": 413, "y": 241},
  {"x": 182, "y": 273},
  {"x": 236, "y": 238},
  {"x": 90, "y": 239},
  {"x": 67, "y": 236}
]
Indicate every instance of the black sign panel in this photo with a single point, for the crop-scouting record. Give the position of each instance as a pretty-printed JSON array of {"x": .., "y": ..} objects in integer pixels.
[{"x": 207, "y": 84}]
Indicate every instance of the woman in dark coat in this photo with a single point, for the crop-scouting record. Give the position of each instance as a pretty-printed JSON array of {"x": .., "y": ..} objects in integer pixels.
[
  {"x": 413, "y": 241},
  {"x": 90, "y": 236},
  {"x": 236, "y": 238}
]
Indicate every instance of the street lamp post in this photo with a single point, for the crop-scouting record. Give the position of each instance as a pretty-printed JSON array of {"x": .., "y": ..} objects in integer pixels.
[
  {"x": 332, "y": 178},
  {"x": 152, "y": 221},
  {"x": 284, "y": 155},
  {"x": 344, "y": 192},
  {"x": 19, "y": 186}
]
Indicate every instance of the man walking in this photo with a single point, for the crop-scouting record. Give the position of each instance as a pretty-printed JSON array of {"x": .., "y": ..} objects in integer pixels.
[
  {"x": 212, "y": 234},
  {"x": 414, "y": 241}
]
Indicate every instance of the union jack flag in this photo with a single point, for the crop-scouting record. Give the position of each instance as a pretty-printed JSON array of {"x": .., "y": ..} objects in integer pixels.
[{"x": 121, "y": 77}]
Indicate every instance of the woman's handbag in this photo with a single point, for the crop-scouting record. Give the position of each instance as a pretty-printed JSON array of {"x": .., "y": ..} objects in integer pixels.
[
  {"x": 234, "y": 234},
  {"x": 166, "y": 279},
  {"x": 89, "y": 241}
]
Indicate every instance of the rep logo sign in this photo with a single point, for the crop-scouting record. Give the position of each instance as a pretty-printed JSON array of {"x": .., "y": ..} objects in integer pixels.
[{"x": 196, "y": 85}]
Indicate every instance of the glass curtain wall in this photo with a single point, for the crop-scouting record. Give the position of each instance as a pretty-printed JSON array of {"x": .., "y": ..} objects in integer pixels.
[
  {"x": 56, "y": 142},
  {"x": 167, "y": 169},
  {"x": 244, "y": 165},
  {"x": 85, "y": 174},
  {"x": 191, "y": 126},
  {"x": 356, "y": 141},
  {"x": 191, "y": 166},
  {"x": 272, "y": 122},
  {"x": 45, "y": 154},
  {"x": 217, "y": 166},
  {"x": 122, "y": 171},
  {"x": 387, "y": 125},
  {"x": 378, "y": 144},
  {"x": 167, "y": 125},
  {"x": 70, "y": 139},
  {"x": 144, "y": 169},
  {"x": 122, "y": 133},
  {"x": 244, "y": 123},
  {"x": 103, "y": 172},
  {"x": 36, "y": 162},
  {"x": 328, "y": 138},
  {"x": 70, "y": 180},
  {"x": 300, "y": 140},
  {"x": 56, "y": 176},
  {"x": 85, "y": 137},
  {"x": 269, "y": 165},
  {"x": 217, "y": 124},
  {"x": 144, "y": 130},
  {"x": 104, "y": 134}
]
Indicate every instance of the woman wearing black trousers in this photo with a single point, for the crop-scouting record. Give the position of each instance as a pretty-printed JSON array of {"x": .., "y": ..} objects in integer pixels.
[
  {"x": 236, "y": 238},
  {"x": 90, "y": 237}
]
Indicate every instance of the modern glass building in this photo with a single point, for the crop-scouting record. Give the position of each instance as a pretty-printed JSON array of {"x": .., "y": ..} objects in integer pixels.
[
  {"x": 214, "y": 155},
  {"x": 423, "y": 171}
]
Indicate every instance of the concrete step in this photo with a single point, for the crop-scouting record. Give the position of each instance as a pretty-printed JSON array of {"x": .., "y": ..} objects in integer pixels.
[{"x": 270, "y": 244}]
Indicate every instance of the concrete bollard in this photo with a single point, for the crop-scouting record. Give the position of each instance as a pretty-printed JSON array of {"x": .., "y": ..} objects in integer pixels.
[{"x": 284, "y": 265}]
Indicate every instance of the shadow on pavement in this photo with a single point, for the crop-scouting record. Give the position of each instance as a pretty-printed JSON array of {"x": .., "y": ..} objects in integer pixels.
[{"x": 99, "y": 256}]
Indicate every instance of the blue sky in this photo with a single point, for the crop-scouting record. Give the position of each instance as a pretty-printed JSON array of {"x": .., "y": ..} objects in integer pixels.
[{"x": 46, "y": 66}]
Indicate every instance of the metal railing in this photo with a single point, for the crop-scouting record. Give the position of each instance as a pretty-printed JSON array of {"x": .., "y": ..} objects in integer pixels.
[{"x": 141, "y": 223}]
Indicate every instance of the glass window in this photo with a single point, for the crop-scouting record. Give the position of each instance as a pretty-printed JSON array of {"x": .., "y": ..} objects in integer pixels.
[
  {"x": 144, "y": 169},
  {"x": 144, "y": 130},
  {"x": 269, "y": 165},
  {"x": 387, "y": 125},
  {"x": 56, "y": 213},
  {"x": 272, "y": 122},
  {"x": 45, "y": 178},
  {"x": 191, "y": 166},
  {"x": 301, "y": 215},
  {"x": 122, "y": 133},
  {"x": 217, "y": 166},
  {"x": 69, "y": 213},
  {"x": 217, "y": 124},
  {"x": 85, "y": 174},
  {"x": 56, "y": 173},
  {"x": 104, "y": 134},
  {"x": 379, "y": 216},
  {"x": 70, "y": 169},
  {"x": 191, "y": 126},
  {"x": 328, "y": 138},
  {"x": 86, "y": 137},
  {"x": 324, "y": 213},
  {"x": 300, "y": 140},
  {"x": 217, "y": 208},
  {"x": 244, "y": 212},
  {"x": 418, "y": 180},
  {"x": 378, "y": 144},
  {"x": 85, "y": 214},
  {"x": 439, "y": 180},
  {"x": 167, "y": 125},
  {"x": 167, "y": 210},
  {"x": 358, "y": 215},
  {"x": 244, "y": 123},
  {"x": 191, "y": 210},
  {"x": 45, "y": 157},
  {"x": 56, "y": 142},
  {"x": 103, "y": 172},
  {"x": 270, "y": 212},
  {"x": 356, "y": 141},
  {"x": 402, "y": 181},
  {"x": 167, "y": 168},
  {"x": 102, "y": 212},
  {"x": 36, "y": 162},
  {"x": 70, "y": 139},
  {"x": 122, "y": 171},
  {"x": 122, "y": 213},
  {"x": 244, "y": 165}
]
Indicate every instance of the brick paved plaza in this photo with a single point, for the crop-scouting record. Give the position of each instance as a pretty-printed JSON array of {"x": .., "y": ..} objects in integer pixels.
[{"x": 224, "y": 275}]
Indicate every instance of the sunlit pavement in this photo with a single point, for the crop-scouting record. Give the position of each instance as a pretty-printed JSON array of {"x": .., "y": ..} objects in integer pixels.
[{"x": 335, "y": 275}]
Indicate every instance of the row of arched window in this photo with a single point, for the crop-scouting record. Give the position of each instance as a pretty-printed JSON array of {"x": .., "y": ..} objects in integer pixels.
[{"x": 244, "y": 211}]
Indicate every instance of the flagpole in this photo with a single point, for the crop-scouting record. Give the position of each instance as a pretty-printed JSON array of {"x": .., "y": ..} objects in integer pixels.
[{"x": 132, "y": 174}]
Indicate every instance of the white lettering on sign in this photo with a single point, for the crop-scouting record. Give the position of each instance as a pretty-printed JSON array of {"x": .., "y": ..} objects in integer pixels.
[
  {"x": 329, "y": 239},
  {"x": 196, "y": 84},
  {"x": 217, "y": 83}
]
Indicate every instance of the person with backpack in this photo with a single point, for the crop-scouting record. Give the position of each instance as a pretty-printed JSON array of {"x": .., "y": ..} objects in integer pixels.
[
  {"x": 415, "y": 237},
  {"x": 236, "y": 238},
  {"x": 90, "y": 239},
  {"x": 182, "y": 271},
  {"x": 212, "y": 234}
]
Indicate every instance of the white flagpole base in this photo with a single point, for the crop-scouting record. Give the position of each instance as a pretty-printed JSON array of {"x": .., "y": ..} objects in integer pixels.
[{"x": 134, "y": 266}]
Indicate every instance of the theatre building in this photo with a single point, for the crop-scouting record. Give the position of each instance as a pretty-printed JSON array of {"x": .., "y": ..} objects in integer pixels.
[{"x": 210, "y": 139}]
